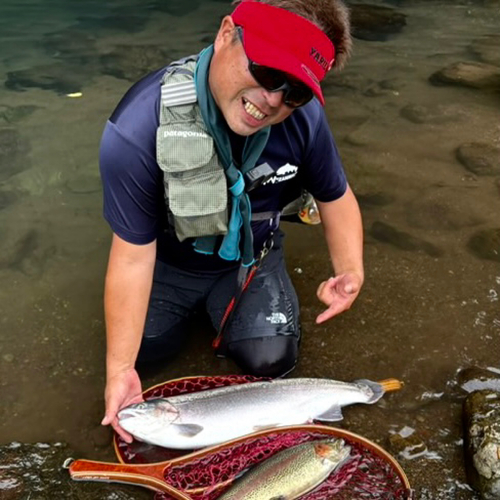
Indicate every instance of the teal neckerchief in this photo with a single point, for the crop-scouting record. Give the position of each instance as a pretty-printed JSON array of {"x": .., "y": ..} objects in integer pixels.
[{"x": 241, "y": 213}]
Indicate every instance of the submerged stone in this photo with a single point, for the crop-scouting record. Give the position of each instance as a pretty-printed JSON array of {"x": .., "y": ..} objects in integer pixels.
[
  {"x": 479, "y": 158},
  {"x": 375, "y": 22},
  {"x": 84, "y": 184},
  {"x": 486, "y": 244},
  {"x": 7, "y": 198},
  {"x": 436, "y": 209},
  {"x": 468, "y": 74},
  {"x": 487, "y": 48},
  {"x": 35, "y": 471},
  {"x": 422, "y": 114},
  {"x": 404, "y": 241},
  {"x": 482, "y": 442},
  {"x": 477, "y": 379},
  {"x": 131, "y": 62},
  {"x": 12, "y": 114},
  {"x": 407, "y": 444},
  {"x": 13, "y": 153},
  {"x": 119, "y": 20},
  {"x": 58, "y": 77},
  {"x": 70, "y": 43},
  {"x": 177, "y": 8},
  {"x": 371, "y": 200}
]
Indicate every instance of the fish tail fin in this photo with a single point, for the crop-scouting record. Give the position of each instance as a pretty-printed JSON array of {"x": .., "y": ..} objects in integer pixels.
[
  {"x": 380, "y": 388},
  {"x": 391, "y": 384}
]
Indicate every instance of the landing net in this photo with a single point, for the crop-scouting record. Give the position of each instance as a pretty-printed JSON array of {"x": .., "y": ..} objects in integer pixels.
[{"x": 371, "y": 473}]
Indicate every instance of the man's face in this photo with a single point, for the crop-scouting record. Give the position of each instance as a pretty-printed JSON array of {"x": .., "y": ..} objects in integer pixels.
[{"x": 246, "y": 106}]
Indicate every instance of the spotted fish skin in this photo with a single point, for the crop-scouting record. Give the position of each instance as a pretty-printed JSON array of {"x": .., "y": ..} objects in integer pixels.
[{"x": 290, "y": 473}]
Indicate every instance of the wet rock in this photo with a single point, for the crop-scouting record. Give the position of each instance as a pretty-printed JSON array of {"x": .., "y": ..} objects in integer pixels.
[
  {"x": 84, "y": 184},
  {"x": 60, "y": 78},
  {"x": 486, "y": 244},
  {"x": 482, "y": 442},
  {"x": 133, "y": 62},
  {"x": 468, "y": 74},
  {"x": 487, "y": 48},
  {"x": 480, "y": 158},
  {"x": 407, "y": 443},
  {"x": 422, "y": 114},
  {"x": 404, "y": 241},
  {"x": 13, "y": 153},
  {"x": 34, "y": 471},
  {"x": 438, "y": 210},
  {"x": 375, "y": 22},
  {"x": 12, "y": 114},
  {"x": 478, "y": 379}
]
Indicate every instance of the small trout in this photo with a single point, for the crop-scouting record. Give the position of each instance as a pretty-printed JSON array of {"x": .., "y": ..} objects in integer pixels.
[
  {"x": 205, "y": 418},
  {"x": 290, "y": 473}
]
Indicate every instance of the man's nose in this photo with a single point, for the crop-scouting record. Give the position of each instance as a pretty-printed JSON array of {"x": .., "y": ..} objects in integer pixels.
[{"x": 274, "y": 99}]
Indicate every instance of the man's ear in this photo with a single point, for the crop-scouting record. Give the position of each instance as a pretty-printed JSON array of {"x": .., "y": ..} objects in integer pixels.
[{"x": 225, "y": 33}]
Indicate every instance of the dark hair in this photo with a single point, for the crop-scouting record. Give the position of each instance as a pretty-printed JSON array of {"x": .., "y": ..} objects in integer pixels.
[{"x": 331, "y": 16}]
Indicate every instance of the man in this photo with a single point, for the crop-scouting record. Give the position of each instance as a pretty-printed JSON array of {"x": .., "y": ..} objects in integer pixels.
[{"x": 225, "y": 141}]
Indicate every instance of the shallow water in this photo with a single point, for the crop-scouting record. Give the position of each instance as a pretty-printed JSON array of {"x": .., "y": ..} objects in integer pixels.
[{"x": 429, "y": 306}]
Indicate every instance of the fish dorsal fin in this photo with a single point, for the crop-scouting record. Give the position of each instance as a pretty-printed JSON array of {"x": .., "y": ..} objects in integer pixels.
[
  {"x": 187, "y": 430},
  {"x": 333, "y": 414}
]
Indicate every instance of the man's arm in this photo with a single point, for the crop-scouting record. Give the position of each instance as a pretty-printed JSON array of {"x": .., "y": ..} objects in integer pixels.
[
  {"x": 344, "y": 236},
  {"x": 126, "y": 296}
]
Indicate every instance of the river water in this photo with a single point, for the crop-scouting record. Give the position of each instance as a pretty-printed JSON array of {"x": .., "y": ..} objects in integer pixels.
[{"x": 429, "y": 307}]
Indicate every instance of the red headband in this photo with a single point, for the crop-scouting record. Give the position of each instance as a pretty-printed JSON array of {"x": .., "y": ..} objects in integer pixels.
[{"x": 285, "y": 41}]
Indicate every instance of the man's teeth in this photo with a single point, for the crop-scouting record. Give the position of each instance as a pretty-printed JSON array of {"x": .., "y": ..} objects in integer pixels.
[{"x": 253, "y": 111}]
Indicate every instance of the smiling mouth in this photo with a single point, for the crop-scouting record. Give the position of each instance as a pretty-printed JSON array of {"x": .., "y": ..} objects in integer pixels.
[{"x": 253, "y": 111}]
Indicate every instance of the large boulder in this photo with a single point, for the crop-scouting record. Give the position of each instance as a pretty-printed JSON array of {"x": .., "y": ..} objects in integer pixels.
[{"x": 482, "y": 442}]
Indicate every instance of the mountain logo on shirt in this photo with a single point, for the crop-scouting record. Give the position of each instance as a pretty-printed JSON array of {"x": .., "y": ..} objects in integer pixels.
[{"x": 283, "y": 173}]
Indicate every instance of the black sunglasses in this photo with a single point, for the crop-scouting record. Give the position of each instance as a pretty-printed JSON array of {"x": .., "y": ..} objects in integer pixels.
[{"x": 296, "y": 93}]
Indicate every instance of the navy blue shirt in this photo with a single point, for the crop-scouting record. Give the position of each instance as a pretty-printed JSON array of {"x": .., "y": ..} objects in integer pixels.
[{"x": 301, "y": 151}]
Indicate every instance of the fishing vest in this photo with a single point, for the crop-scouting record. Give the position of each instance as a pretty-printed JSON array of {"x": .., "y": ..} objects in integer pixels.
[{"x": 195, "y": 183}]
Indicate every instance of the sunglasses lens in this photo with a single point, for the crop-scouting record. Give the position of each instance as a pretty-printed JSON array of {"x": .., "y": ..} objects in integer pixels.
[
  {"x": 296, "y": 94},
  {"x": 269, "y": 78}
]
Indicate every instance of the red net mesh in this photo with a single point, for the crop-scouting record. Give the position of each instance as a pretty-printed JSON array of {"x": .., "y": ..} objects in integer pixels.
[{"x": 368, "y": 474}]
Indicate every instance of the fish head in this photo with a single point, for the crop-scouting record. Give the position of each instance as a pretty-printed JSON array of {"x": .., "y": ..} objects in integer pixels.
[
  {"x": 334, "y": 452},
  {"x": 147, "y": 418}
]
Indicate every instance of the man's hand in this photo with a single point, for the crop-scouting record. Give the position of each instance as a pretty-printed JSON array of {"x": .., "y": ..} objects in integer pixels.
[
  {"x": 338, "y": 294},
  {"x": 122, "y": 389}
]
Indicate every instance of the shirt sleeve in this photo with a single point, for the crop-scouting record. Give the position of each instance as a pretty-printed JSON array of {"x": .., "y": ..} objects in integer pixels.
[
  {"x": 324, "y": 173},
  {"x": 132, "y": 187}
]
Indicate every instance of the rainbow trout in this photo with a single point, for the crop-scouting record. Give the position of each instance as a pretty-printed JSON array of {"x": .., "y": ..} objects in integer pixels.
[
  {"x": 205, "y": 418},
  {"x": 290, "y": 473}
]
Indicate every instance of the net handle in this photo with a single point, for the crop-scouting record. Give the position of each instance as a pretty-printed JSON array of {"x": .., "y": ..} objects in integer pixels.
[{"x": 149, "y": 476}]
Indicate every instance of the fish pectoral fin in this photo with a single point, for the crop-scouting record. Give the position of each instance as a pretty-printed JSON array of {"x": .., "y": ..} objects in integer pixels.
[
  {"x": 188, "y": 430},
  {"x": 333, "y": 414}
]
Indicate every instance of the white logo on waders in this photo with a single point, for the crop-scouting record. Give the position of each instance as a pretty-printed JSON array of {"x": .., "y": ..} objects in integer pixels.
[{"x": 277, "y": 319}]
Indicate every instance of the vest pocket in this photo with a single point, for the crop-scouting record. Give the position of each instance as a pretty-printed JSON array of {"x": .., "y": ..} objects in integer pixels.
[{"x": 195, "y": 182}]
